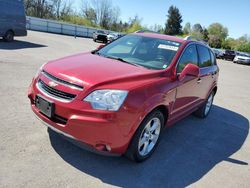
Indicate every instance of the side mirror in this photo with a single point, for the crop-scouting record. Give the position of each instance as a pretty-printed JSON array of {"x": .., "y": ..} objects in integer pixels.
[
  {"x": 100, "y": 47},
  {"x": 189, "y": 70}
]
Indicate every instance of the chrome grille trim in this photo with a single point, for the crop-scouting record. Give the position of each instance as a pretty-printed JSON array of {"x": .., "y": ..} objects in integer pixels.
[
  {"x": 54, "y": 93},
  {"x": 63, "y": 82}
]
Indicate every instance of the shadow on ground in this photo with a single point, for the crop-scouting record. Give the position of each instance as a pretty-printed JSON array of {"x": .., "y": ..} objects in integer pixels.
[
  {"x": 16, "y": 45},
  {"x": 187, "y": 151}
]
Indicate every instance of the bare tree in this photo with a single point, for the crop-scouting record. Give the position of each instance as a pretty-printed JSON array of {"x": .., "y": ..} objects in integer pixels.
[
  {"x": 57, "y": 5},
  {"x": 48, "y": 8},
  {"x": 102, "y": 12}
]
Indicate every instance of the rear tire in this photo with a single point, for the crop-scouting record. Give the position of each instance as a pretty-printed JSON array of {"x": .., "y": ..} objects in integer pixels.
[
  {"x": 204, "y": 110},
  {"x": 9, "y": 36},
  {"x": 146, "y": 137}
]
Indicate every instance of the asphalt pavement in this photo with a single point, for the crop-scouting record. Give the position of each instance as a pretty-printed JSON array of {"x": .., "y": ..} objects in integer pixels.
[{"x": 211, "y": 152}]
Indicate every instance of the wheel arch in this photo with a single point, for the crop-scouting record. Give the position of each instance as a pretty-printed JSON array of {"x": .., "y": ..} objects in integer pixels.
[
  {"x": 215, "y": 90},
  {"x": 11, "y": 30}
]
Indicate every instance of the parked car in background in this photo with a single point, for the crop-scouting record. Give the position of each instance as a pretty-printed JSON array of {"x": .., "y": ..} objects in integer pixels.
[
  {"x": 218, "y": 53},
  {"x": 229, "y": 55},
  {"x": 12, "y": 19},
  {"x": 100, "y": 35},
  {"x": 113, "y": 36},
  {"x": 118, "y": 99},
  {"x": 242, "y": 58}
]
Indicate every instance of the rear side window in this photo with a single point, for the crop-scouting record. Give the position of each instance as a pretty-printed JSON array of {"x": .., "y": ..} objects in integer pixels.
[
  {"x": 204, "y": 56},
  {"x": 213, "y": 59},
  {"x": 189, "y": 56}
]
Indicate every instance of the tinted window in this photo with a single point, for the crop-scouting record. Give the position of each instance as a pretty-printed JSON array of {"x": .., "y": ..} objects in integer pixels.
[
  {"x": 213, "y": 59},
  {"x": 100, "y": 31},
  {"x": 204, "y": 56},
  {"x": 189, "y": 56}
]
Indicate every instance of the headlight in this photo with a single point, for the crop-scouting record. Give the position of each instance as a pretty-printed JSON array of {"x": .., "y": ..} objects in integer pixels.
[
  {"x": 106, "y": 99},
  {"x": 39, "y": 70}
]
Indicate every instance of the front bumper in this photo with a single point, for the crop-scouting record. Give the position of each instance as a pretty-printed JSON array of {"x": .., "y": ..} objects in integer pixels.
[
  {"x": 75, "y": 141},
  {"x": 93, "y": 130}
]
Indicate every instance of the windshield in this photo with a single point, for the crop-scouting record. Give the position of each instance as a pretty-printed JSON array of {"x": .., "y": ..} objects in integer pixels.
[
  {"x": 152, "y": 53},
  {"x": 244, "y": 55},
  {"x": 100, "y": 31}
]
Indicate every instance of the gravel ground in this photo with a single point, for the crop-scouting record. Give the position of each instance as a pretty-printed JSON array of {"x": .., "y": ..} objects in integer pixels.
[{"x": 211, "y": 152}]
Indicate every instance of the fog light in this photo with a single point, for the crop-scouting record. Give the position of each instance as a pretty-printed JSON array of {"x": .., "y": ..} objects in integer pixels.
[
  {"x": 108, "y": 148},
  {"x": 103, "y": 147}
]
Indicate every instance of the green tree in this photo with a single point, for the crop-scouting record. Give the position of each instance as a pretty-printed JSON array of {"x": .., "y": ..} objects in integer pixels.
[
  {"x": 214, "y": 41},
  {"x": 197, "y": 28},
  {"x": 134, "y": 27},
  {"x": 219, "y": 32},
  {"x": 205, "y": 34},
  {"x": 244, "y": 47},
  {"x": 197, "y": 31},
  {"x": 173, "y": 24},
  {"x": 229, "y": 44},
  {"x": 187, "y": 29}
]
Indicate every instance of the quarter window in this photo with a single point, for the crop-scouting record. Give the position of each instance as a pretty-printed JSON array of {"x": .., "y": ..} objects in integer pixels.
[
  {"x": 204, "y": 55},
  {"x": 213, "y": 59},
  {"x": 189, "y": 56}
]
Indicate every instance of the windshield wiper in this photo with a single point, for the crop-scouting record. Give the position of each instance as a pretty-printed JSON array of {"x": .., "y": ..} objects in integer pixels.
[
  {"x": 95, "y": 52},
  {"x": 124, "y": 61}
]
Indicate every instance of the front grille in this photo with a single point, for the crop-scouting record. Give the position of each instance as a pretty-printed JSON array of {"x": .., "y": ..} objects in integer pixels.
[
  {"x": 75, "y": 86},
  {"x": 54, "y": 92},
  {"x": 242, "y": 59}
]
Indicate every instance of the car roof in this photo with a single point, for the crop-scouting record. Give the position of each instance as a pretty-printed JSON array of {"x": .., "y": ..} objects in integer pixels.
[{"x": 162, "y": 36}]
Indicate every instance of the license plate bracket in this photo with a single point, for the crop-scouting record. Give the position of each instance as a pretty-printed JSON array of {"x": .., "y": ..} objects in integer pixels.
[{"x": 45, "y": 106}]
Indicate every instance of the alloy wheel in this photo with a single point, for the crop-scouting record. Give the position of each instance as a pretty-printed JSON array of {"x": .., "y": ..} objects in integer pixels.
[{"x": 149, "y": 136}]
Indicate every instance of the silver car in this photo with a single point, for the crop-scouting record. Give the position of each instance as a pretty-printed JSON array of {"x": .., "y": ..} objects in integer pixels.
[{"x": 243, "y": 58}]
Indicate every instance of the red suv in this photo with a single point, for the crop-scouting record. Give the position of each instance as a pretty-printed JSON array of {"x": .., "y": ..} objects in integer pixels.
[{"x": 117, "y": 99}]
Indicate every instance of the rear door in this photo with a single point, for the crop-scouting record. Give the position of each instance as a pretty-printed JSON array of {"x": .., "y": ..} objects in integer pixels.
[
  {"x": 208, "y": 71},
  {"x": 3, "y": 17},
  {"x": 20, "y": 18}
]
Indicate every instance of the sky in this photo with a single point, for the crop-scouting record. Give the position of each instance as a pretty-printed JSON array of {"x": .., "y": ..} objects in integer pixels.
[{"x": 235, "y": 15}]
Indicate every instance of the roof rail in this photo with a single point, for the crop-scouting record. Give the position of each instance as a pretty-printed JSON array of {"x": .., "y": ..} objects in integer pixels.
[
  {"x": 145, "y": 31},
  {"x": 194, "y": 38}
]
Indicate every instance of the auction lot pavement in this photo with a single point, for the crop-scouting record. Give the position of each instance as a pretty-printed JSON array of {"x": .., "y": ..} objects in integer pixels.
[{"x": 211, "y": 152}]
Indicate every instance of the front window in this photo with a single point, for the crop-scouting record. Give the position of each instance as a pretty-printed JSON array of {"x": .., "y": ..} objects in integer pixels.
[
  {"x": 100, "y": 31},
  {"x": 188, "y": 56},
  {"x": 151, "y": 53}
]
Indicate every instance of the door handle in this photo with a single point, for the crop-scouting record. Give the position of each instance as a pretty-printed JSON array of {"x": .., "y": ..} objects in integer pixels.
[
  {"x": 213, "y": 74},
  {"x": 199, "y": 80}
]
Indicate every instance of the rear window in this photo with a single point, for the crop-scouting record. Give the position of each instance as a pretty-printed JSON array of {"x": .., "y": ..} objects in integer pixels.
[{"x": 204, "y": 56}]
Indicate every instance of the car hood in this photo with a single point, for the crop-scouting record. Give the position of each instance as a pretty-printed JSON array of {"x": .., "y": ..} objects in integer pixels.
[
  {"x": 88, "y": 69},
  {"x": 243, "y": 57}
]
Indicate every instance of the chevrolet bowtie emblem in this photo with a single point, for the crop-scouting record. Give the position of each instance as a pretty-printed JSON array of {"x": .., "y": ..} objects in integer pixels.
[{"x": 52, "y": 84}]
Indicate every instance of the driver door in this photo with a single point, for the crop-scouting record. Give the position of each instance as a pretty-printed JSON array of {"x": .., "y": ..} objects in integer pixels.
[{"x": 188, "y": 89}]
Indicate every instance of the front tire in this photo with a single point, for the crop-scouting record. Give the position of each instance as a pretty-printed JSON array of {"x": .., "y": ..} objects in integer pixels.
[
  {"x": 204, "y": 110},
  {"x": 9, "y": 36},
  {"x": 146, "y": 137}
]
